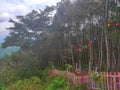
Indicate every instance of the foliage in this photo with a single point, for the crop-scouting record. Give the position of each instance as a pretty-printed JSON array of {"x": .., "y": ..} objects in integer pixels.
[
  {"x": 8, "y": 76},
  {"x": 68, "y": 67},
  {"x": 19, "y": 65},
  {"x": 34, "y": 83},
  {"x": 94, "y": 75},
  {"x": 16, "y": 76},
  {"x": 81, "y": 87},
  {"x": 59, "y": 83},
  {"x": 46, "y": 32},
  {"x": 42, "y": 38}
]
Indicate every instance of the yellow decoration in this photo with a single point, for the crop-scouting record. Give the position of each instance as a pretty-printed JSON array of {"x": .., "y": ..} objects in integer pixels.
[
  {"x": 86, "y": 46},
  {"x": 108, "y": 25}
]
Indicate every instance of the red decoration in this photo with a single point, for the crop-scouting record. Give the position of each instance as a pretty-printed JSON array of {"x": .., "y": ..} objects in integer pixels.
[
  {"x": 89, "y": 44},
  {"x": 117, "y": 25},
  {"x": 83, "y": 47}
]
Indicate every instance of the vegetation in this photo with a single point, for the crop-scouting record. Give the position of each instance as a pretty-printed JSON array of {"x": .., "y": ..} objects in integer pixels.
[
  {"x": 70, "y": 33},
  {"x": 18, "y": 76},
  {"x": 81, "y": 34}
]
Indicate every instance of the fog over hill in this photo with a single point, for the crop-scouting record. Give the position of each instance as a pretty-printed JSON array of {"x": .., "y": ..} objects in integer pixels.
[
  {"x": 8, "y": 50},
  {"x": 3, "y": 34}
]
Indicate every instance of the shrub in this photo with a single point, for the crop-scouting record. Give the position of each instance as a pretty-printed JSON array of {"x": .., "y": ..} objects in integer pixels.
[
  {"x": 34, "y": 83},
  {"x": 59, "y": 83}
]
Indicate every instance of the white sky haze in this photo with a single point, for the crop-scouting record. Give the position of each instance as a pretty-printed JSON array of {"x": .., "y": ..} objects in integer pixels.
[{"x": 11, "y": 8}]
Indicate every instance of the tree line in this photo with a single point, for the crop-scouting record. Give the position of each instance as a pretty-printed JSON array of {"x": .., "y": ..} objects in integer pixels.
[{"x": 83, "y": 33}]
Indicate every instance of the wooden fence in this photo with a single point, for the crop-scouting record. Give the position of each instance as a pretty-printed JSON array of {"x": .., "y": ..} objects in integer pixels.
[{"x": 106, "y": 81}]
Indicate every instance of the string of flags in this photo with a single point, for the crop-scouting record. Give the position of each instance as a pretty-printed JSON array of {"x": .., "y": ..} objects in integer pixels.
[
  {"x": 83, "y": 47},
  {"x": 109, "y": 23}
]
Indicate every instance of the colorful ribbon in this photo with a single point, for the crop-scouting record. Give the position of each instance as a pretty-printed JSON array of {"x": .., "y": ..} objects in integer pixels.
[{"x": 83, "y": 47}]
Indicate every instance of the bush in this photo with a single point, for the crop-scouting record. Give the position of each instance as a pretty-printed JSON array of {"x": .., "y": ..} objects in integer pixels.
[
  {"x": 59, "y": 83},
  {"x": 34, "y": 83},
  {"x": 81, "y": 87}
]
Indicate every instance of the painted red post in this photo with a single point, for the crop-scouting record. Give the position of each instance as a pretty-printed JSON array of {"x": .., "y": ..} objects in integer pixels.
[
  {"x": 79, "y": 80},
  {"x": 114, "y": 81},
  {"x": 82, "y": 79},
  {"x": 74, "y": 78},
  {"x": 119, "y": 79},
  {"x": 85, "y": 79},
  {"x": 111, "y": 88}
]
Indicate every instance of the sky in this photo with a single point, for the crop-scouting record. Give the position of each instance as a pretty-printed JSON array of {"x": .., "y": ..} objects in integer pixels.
[{"x": 11, "y": 8}]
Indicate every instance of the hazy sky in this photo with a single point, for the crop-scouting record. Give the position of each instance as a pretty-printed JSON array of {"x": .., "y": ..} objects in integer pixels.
[{"x": 11, "y": 8}]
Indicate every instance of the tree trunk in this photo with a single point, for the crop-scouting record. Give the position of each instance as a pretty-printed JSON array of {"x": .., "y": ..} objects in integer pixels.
[{"x": 106, "y": 37}]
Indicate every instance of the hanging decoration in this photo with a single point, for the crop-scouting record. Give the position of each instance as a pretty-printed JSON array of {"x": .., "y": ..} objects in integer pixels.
[
  {"x": 94, "y": 38},
  {"x": 110, "y": 21},
  {"x": 108, "y": 24},
  {"x": 117, "y": 25},
  {"x": 113, "y": 23},
  {"x": 83, "y": 47},
  {"x": 104, "y": 20}
]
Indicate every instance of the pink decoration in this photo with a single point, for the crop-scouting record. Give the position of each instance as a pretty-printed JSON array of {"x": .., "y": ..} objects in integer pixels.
[
  {"x": 117, "y": 25},
  {"x": 79, "y": 50},
  {"x": 89, "y": 44},
  {"x": 91, "y": 41}
]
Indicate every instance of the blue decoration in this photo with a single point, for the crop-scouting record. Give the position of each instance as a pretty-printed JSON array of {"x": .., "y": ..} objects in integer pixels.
[
  {"x": 105, "y": 20},
  {"x": 83, "y": 46},
  {"x": 94, "y": 38}
]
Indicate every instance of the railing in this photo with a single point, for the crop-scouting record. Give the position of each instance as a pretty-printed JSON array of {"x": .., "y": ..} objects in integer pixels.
[{"x": 106, "y": 81}]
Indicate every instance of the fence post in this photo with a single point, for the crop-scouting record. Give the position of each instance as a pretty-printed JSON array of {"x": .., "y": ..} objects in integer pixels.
[
  {"x": 110, "y": 81},
  {"x": 105, "y": 81},
  {"x": 114, "y": 80},
  {"x": 74, "y": 78},
  {"x": 107, "y": 76},
  {"x": 119, "y": 79},
  {"x": 102, "y": 78}
]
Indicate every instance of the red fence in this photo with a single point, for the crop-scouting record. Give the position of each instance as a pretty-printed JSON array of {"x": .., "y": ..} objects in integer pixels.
[{"x": 106, "y": 81}]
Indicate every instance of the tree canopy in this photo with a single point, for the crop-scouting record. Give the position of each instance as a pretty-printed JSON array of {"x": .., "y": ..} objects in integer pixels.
[{"x": 71, "y": 32}]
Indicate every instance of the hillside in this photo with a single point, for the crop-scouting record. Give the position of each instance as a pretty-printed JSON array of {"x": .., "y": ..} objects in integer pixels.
[{"x": 7, "y": 51}]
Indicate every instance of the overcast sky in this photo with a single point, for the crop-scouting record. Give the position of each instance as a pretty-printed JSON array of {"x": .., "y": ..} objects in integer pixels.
[{"x": 11, "y": 8}]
